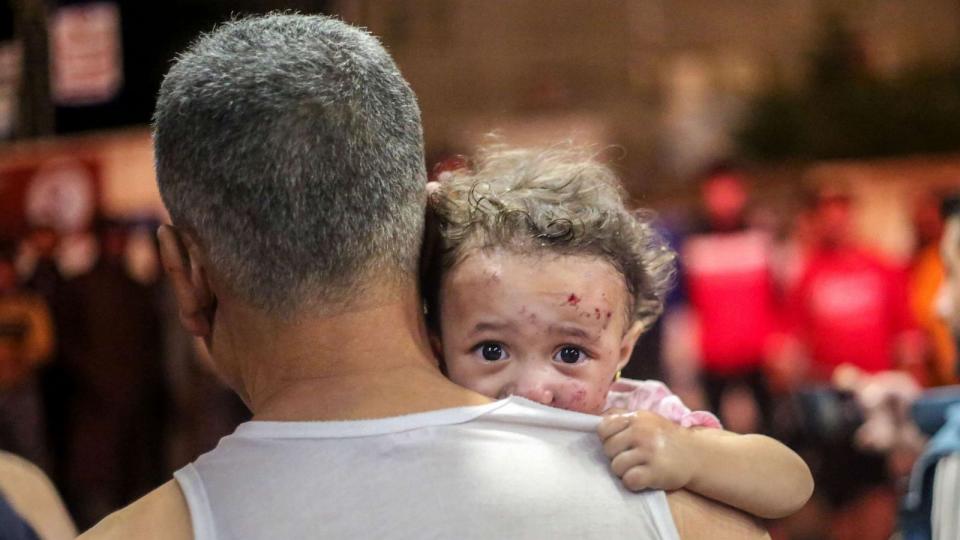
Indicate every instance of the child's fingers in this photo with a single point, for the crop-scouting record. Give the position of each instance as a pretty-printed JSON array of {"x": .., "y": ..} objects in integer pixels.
[
  {"x": 612, "y": 423},
  {"x": 638, "y": 478},
  {"x": 618, "y": 443},
  {"x": 624, "y": 461}
]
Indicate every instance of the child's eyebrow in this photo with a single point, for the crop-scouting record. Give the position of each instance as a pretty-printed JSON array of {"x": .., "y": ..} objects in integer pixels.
[
  {"x": 568, "y": 330},
  {"x": 486, "y": 326}
]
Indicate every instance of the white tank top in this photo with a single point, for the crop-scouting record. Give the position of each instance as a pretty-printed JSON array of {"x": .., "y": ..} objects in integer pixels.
[{"x": 510, "y": 469}]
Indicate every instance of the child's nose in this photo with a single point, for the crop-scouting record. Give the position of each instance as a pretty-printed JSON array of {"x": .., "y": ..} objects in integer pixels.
[
  {"x": 536, "y": 393},
  {"x": 530, "y": 380}
]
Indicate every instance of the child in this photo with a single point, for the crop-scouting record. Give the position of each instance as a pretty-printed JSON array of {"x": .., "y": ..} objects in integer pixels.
[{"x": 541, "y": 284}]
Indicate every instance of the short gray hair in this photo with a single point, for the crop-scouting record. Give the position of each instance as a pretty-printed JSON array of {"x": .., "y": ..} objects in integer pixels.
[
  {"x": 292, "y": 148},
  {"x": 556, "y": 200}
]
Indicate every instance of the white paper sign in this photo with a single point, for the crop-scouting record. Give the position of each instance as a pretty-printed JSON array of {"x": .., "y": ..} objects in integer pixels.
[{"x": 86, "y": 64}]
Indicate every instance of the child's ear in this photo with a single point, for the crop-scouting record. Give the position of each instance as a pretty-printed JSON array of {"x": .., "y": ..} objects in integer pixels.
[
  {"x": 436, "y": 345},
  {"x": 629, "y": 340}
]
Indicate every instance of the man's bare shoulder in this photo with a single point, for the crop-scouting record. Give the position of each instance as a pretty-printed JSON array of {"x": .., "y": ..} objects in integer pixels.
[
  {"x": 698, "y": 517},
  {"x": 162, "y": 513},
  {"x": 34, "y": 497}
]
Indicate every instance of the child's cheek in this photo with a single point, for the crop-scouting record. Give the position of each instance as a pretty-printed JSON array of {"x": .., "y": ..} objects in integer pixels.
[{"x": 581, "y": 397}]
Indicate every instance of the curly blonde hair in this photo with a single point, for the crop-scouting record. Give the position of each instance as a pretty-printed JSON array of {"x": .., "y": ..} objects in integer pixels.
[{"x": 558, "y": 200}]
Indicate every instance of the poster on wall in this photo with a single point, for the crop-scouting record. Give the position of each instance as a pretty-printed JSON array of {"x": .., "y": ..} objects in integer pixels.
[{"x": 86, "y": 62}]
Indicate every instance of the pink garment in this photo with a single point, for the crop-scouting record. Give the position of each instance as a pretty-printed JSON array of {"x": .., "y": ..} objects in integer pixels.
[{"x": 654, "y": 396}]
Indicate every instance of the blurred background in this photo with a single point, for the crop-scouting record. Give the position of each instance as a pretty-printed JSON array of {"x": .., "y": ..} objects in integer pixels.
[{"x": 796, "y": 154}]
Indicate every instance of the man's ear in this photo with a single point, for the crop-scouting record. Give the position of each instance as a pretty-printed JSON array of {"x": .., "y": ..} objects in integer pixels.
[
  {"x": 628, "y": 342},
  {"x": 188, "y": 279}
]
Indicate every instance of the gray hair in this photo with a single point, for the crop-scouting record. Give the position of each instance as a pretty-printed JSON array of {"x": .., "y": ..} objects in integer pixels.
[
  {"x": 557, "y": 200},
  {"x": 292, "y": 148}
]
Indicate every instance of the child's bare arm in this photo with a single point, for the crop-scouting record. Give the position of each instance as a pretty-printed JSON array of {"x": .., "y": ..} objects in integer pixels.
[{"x": 754, "y": 473}]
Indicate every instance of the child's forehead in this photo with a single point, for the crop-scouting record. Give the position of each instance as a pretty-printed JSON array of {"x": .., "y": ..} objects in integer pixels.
[{"x": 569, "y": 276}]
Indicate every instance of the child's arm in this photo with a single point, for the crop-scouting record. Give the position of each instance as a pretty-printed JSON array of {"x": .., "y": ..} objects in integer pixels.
[{"x": 754, "y": 473}]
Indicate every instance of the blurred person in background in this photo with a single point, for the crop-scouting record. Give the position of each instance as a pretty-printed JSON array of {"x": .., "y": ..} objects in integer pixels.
[
  {"x": 898, "y": 414},
  {"x": 26, "y": 341},
  {"x": 730, "y": 287},
  {"x": 111, "y": 343},
  {"x": 926, "y": 279},
  {"x": 849, "y": 306},
  {"x": 38, "y": 262},
  {"x": 947, "y": 303},
  {"x": 934, "y": 497}
]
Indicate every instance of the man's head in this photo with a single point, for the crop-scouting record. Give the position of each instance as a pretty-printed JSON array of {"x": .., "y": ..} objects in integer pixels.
[{"x": 289, "y": 154}]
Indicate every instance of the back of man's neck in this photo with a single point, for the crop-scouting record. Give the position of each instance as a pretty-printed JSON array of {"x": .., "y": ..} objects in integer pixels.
[
  {"x": 394, "y": 391},
  {"x": 370, "y": 362}
]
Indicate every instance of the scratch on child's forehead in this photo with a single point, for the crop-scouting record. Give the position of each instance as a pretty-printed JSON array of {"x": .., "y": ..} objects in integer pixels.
[
  {"x": 529, "y": 315},
  {"x": 579, "y": 298},
  {"x": 493, "y": 274}
]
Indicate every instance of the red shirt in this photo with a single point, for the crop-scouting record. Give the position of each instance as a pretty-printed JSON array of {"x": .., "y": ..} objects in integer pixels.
[
  {"x": 730, "y": 287},
  {"x": 849, "y": 306}
]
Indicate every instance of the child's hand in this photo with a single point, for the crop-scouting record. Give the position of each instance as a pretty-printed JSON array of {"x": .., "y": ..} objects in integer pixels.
[{"x": 647, "y": 451}]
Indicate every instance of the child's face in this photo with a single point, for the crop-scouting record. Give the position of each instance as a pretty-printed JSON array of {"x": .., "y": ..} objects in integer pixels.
[{"x": 549, "y": 328}]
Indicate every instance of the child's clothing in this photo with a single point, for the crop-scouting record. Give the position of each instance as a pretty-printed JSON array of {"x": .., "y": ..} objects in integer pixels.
[{"x": 654, "y": 396}]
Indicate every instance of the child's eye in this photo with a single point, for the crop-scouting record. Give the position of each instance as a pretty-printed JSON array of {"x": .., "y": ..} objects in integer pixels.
[
  {"x": 570, "y": 355},
  {"x": 491, "y": 352}
]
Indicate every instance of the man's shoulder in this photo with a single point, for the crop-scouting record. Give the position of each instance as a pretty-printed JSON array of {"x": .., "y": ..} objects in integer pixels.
[
  {"x": 32, "y": 495},
  {"x": 162, "y": 513},
  {"x": 698, "y": 517}
]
